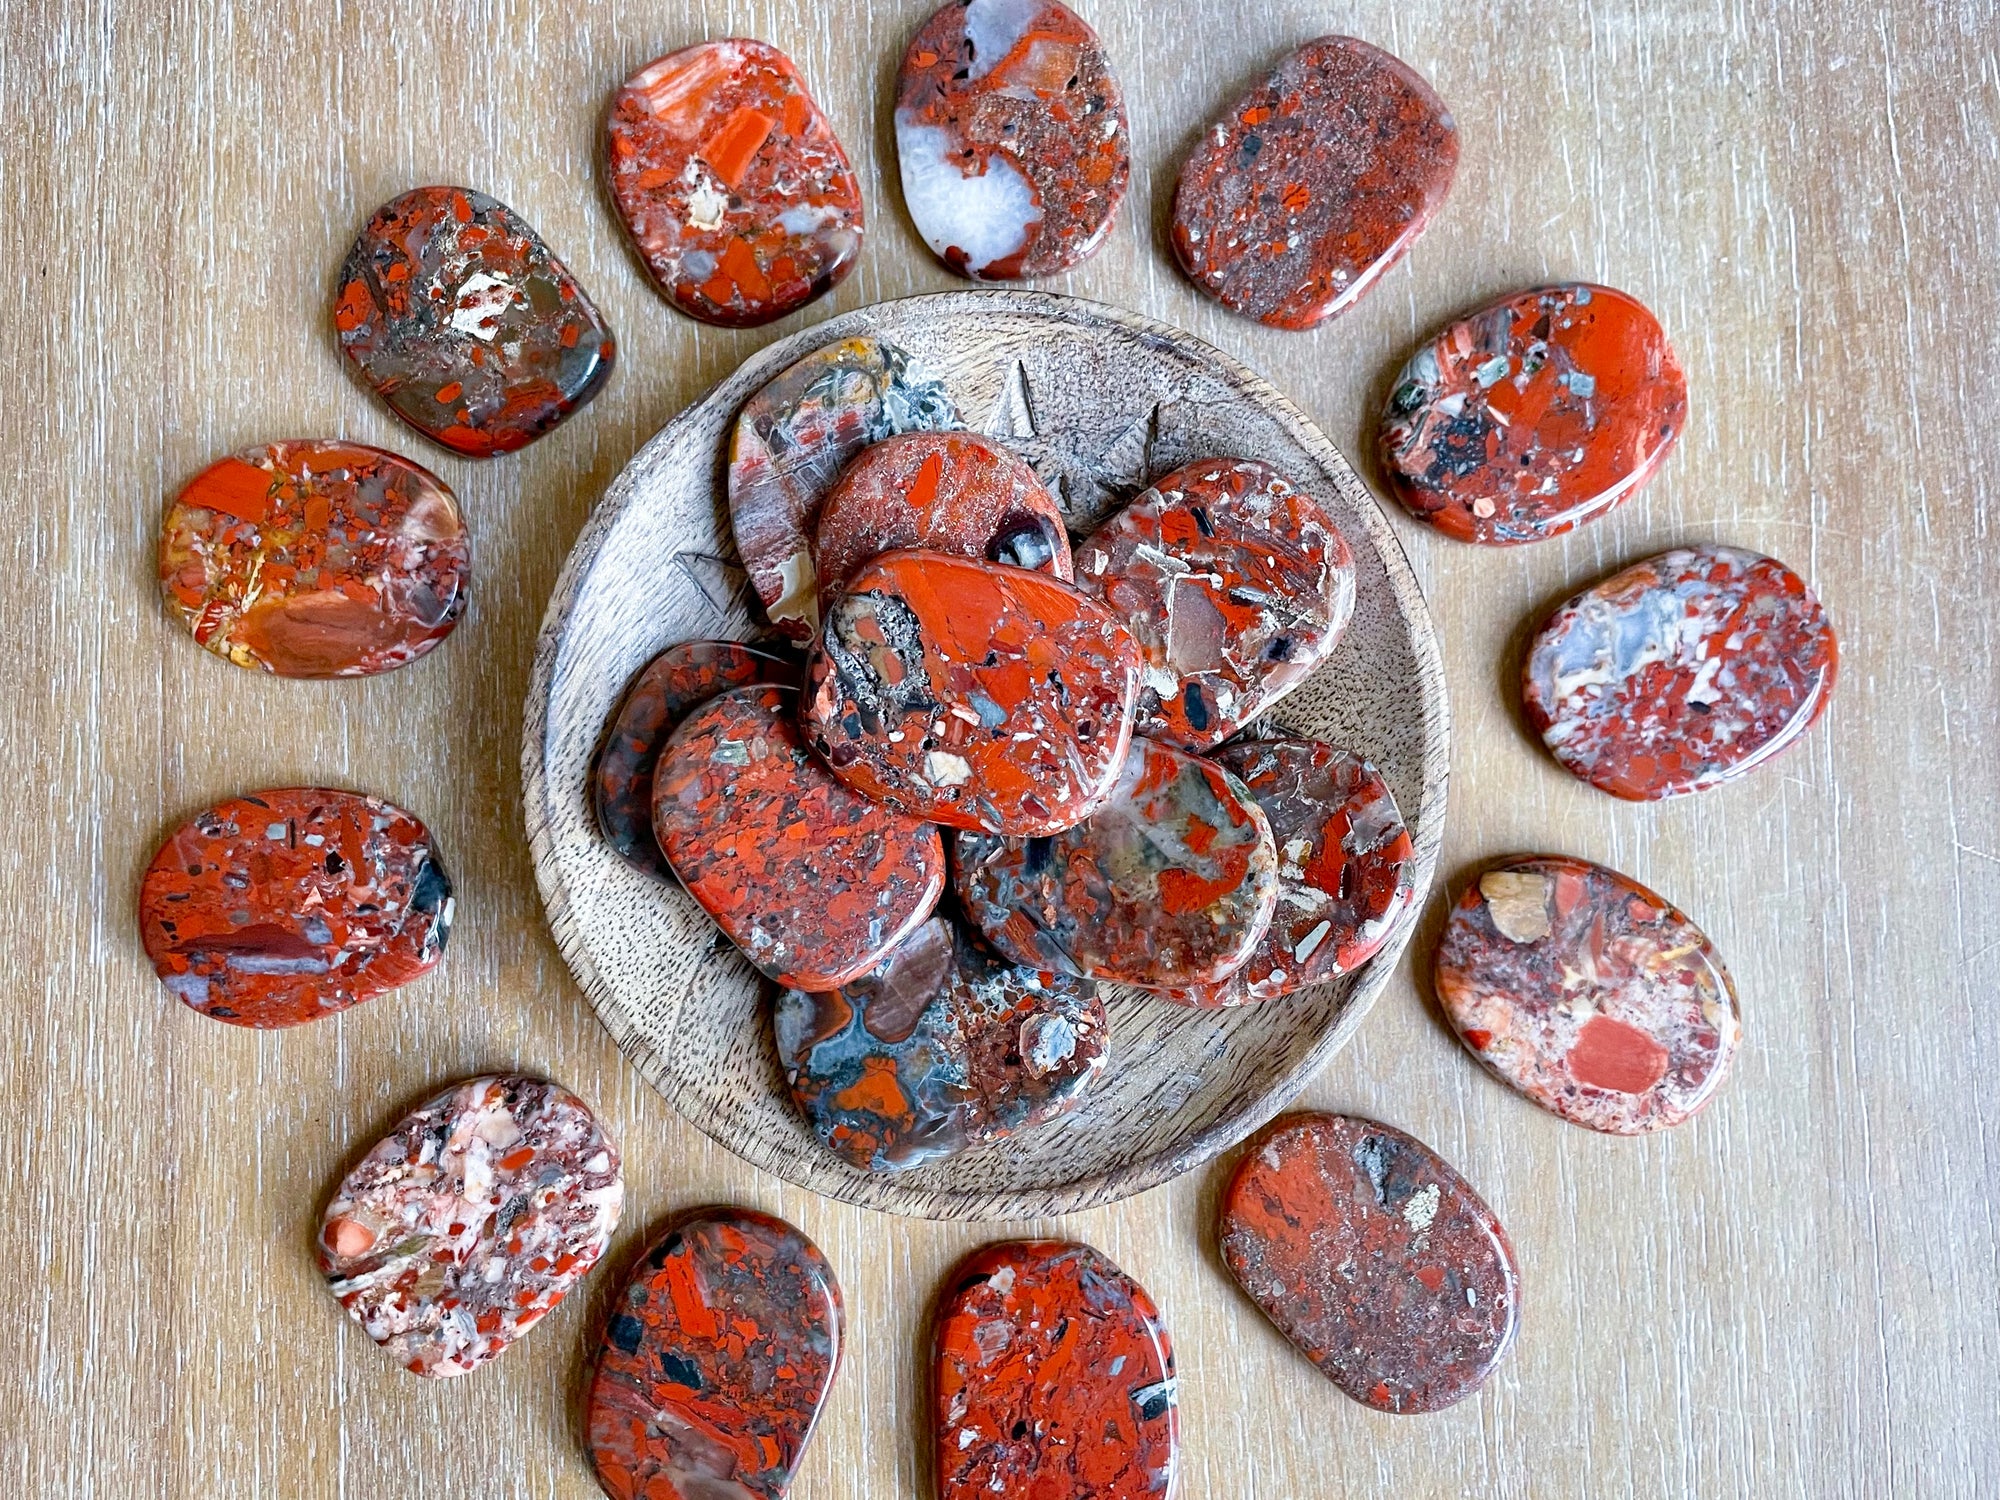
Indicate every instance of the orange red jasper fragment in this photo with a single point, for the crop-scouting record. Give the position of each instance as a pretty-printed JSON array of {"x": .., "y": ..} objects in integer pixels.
[
  {"x": 284, "y": 906},
  {"x": 1304, "y": 192},
  {"x": 471, "y": 1220},
  {"x": 814, "y": 882},
  {"x": 464, "y": 321},
  {"x": 716, "y": 1361},
  {"x": 1054, "y": 1377},
  {"x": 732, "y": 183},
  {"x": 1374, "y": 1257},
  {"x": 316, "y": 559}
]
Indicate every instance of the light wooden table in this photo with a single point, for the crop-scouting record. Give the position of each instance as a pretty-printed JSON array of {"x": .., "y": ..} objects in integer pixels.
[{"x": 1793, "y": 1295}]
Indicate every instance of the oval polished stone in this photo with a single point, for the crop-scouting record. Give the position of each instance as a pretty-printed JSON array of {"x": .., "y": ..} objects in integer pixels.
[
  {"x": 716, "y": 1361},
  {"x": 1686, "y": 670},
  {"x": 471, "y": 1220},
  {"x": 669, "y": 687},
  {"x": 284, "y": 906},
  {"x": 1053, "y": 1377},
  {"x": 1588, "y": 993},
  {"x": 790, "y": 444},
  {"x": 316, "y": 559},
  {"x": 972, "y": 694},
  {"x": 1011, "y": 137},
  {"x": 941, "y": 1048},
  {"x": 815, "y": 883},
  {"x": 1346, "y": 867},
  {"x": 1313, "y": 184},
  {"x": 1236, "y": 587},
  {"x": 1374, "y": 1257},
  {"x": 732, "y": 183},
  {"x": 951, "y": 492},
  {"x": 465, "y": 322},
  {"x": 1533, "y": 414},
  {"x": 1171, "y": 883}
]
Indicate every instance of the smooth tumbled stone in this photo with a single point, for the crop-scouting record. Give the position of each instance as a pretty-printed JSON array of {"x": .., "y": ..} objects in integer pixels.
[
  {"x": 1315, "y": 183},
  {"x": 465, "y": 322},
  {"x": 1374, "y": 1257},
  {"x": 971, "y": 694},
  {"x": 792, "y": 440},
  {"x": 1236, "y": 587},
  {"x": 1588, "y": 993},
  {"x": 1011, "y": 138},
  {"x": 814, "y": 882},
  {"x": 716, "y": 1362},
  {"x": 284, "y": 906},
  {"x": 1171, "y": 883},
  {"x": 941, "y": 1048},
  {"x": 732, "y": 183},
  {"x": 1053, "y": 1378},
  {"x": 316, "y": 559},
  {"x": 1346, "y": 867},
  {"x": 666, "y": 690},
  {"x": 1533, "y": 414},
  {"x": 949, "y": 492},
  {"x": 1686, "y": 670},
  {"x": 471, "y": 1220}
]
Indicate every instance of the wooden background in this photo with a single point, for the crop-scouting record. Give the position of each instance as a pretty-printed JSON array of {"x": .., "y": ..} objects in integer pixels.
[{"x": 1795, "y": 1294}]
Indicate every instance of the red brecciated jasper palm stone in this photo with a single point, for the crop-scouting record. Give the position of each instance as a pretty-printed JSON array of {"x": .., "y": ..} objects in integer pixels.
[
  {"x": 1588, "y": 993},
  {"x": 732, "y": 183},
  {"x": 1314, "y": 184},
  {"x": 1346, "y": 867},
  {"x": 1236, "y": 587},
  {"x": 464, "y": 321},
  {"x": 471, "y": 1220},
  {"x": 941, "y": 1048},
  {"x": 1686, "y": 670},
  {"x": 1171, "y": 883},
  {"x": 1374, "y": 1257},
  {"x": 716, "y": 1362},
  {"x": 1534, "y": 414},
  {"x": 972, "y": 694},
  {"x": 814, "y": 882},
  {"x": 669, "y": 687},
  {"x": 1054, "y": 1378},
  {"x": 949, "y": 492},
  {"x": 1011, "y": 137},
  {"x": 284, "y": 906},
  {"x": 316, "y": 559}
]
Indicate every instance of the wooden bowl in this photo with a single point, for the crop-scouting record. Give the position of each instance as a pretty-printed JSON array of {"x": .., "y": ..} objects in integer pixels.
[{"x": 1099, "y": 400}]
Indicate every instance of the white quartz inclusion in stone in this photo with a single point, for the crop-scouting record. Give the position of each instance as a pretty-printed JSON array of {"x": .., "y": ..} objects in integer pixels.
[{"x": 986, "y": 217}]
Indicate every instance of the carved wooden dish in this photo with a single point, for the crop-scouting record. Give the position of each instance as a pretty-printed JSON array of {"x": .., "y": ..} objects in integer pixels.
[{"x": 1099, "y": 400}]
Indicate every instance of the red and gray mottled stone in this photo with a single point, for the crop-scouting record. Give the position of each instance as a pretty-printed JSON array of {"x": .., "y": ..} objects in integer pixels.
[
  {"x": 972, "y": 694},
  {"x": 1171, "y": 883},
  {"x": 1684, "y": 671},
  {"x": 941, "y": 1048},
  {"x": 1346, "y": 867},
  {"x": 471, "y": 1220},
  {"x": 732, "y": 183},
  {"x": 1053, "y": 1378},
  {"x": 1011, "y": 137},
  {"x": 284, "y": 906},
  {"x": 791, "y": 442},
  {"x": 464, "y": 321},
  {"x": 1533, "y": 414},
  {"x": 316, "y": 559},
  {"x": 814, "y": 882},
  {"x": 1589, "y": 994},
  {"x": 1374, "y": 1257},
  {"x": 1315, "y": 183},
  {"x": 1236, "y": 587},
  {"x": 716, "y": 1362}
]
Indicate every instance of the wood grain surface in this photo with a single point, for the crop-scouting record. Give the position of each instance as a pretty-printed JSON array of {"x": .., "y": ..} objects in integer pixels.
[{"x": 1793, "y": 1295}]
